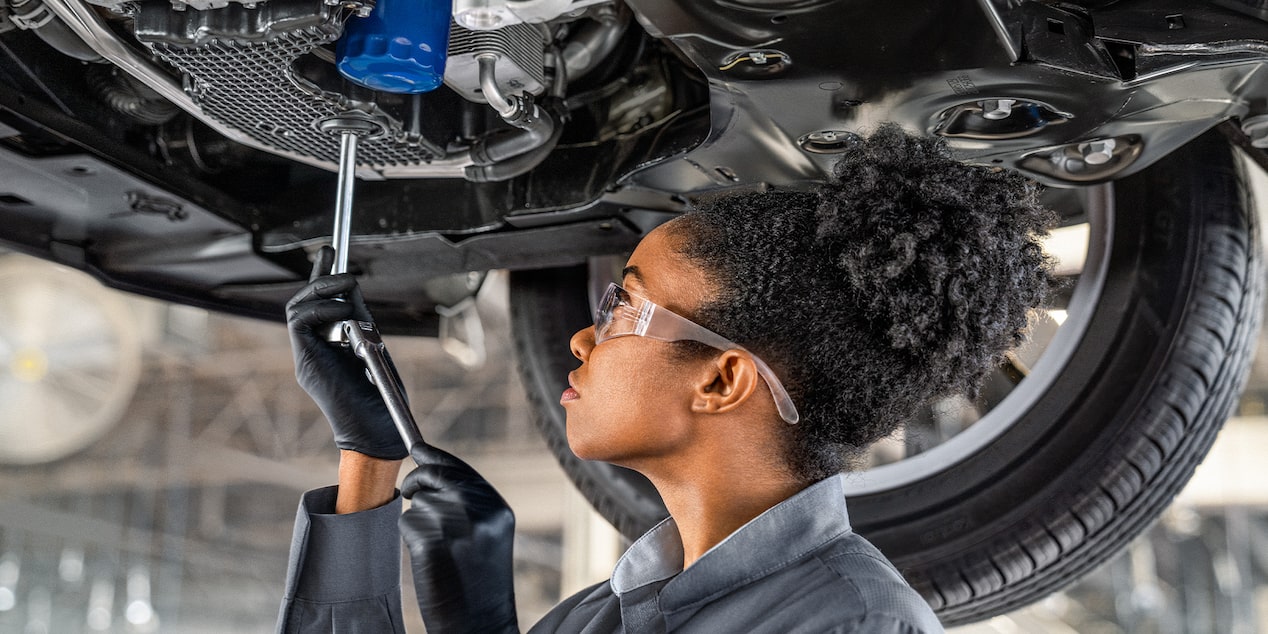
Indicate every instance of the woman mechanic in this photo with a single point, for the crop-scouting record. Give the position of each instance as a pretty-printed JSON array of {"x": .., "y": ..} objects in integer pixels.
[{"x": 753, "y": 348}]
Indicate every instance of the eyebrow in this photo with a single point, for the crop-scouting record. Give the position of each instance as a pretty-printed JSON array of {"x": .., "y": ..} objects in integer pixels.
[{"x": 632, "y": 270}]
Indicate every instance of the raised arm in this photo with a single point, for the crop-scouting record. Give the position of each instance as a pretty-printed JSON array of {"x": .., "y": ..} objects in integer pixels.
[{"x": 344, "y": 572}]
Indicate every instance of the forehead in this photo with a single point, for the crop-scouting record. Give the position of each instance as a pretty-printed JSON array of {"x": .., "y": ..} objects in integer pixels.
[{"x": 660, "y": 273}]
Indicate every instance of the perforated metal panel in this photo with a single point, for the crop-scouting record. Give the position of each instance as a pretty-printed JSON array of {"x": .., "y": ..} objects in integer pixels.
[{"x": 239, "y": 65}]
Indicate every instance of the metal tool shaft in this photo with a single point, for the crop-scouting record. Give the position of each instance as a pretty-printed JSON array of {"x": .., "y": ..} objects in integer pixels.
[
  {"x": 366, "y": 343},
  {"x": 343, "y": 200}
]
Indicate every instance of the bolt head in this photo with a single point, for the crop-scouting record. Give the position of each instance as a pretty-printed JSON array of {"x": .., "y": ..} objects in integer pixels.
[
  {"x": 362, "y": 127},
  {"x": 997, "y": 109},
  {"x": 1097, "y": 152}
]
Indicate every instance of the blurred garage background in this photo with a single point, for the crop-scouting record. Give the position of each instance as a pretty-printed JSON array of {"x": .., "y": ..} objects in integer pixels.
[{"x": 152, "y": 455}]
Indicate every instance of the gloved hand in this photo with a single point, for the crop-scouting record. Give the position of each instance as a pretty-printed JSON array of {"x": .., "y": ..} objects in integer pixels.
[
  {"x": 459, "y": 533},
  {"x": 332, "y": 375}
]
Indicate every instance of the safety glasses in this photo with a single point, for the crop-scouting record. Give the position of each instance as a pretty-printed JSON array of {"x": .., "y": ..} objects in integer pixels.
[{"x": 621, "y": 313}]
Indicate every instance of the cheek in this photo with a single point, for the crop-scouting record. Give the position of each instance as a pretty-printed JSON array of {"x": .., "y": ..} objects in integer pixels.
[{"x": 628, "y": 411}]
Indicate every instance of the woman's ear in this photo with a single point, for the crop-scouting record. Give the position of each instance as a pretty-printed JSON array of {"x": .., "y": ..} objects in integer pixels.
[{"x": 725, "y": 383}]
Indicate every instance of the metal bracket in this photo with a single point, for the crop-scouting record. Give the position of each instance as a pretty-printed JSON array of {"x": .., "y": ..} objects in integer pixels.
[
  {"x": 462, "y": 333},
  {"x": 30, "y": 15}
]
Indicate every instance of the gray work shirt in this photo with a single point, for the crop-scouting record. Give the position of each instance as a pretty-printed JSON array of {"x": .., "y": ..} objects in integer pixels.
[
  {"x": 345, "y": 570},
  {"x": 798, "y": 567}
]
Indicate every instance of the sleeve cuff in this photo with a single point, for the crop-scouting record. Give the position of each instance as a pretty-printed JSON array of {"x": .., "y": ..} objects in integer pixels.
[{"x": 337, "y": 558}]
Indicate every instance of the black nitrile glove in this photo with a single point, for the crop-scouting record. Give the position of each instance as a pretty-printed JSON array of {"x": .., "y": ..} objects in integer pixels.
[
  {"x": 331, "y": 374},
  {"x": 459, "y": 533}
]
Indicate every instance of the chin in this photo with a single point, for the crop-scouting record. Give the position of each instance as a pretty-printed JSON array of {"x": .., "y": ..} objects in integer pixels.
[
  {"x": 575, "y": 443},
  {"x": 584, "y": 453},
  {"x": 584, "y": 448}
]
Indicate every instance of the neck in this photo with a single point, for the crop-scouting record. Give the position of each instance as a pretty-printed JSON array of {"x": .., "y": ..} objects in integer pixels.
[{"x": 710, "y": 502}]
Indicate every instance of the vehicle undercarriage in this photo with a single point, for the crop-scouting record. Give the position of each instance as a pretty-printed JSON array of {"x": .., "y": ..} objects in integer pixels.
[{"x": 176, "y": 149}]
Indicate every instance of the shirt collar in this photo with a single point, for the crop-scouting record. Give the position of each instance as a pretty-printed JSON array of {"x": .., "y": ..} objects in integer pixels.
[{"x": 779, "y": 536}]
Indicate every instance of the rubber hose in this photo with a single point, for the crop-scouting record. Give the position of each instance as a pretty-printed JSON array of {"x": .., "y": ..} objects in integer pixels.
[
  {"x": 516, "y": 166},
  {"x": 536, "y": 127},
  {"x": 594, "y": 42}
]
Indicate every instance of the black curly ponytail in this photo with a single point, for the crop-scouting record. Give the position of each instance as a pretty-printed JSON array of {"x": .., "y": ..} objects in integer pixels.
[{"x": 905, "y": 279}]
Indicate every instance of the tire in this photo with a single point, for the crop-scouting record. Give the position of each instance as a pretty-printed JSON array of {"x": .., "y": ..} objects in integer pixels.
[{"x": 1073, "y": 467}]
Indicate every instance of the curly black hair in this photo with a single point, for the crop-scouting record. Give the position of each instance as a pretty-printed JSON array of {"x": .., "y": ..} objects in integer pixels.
[{"x": 905, "y": 278}]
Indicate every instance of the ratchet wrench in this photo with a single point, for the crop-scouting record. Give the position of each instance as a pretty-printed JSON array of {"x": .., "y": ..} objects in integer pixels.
[{"x": 362, "y": 337}]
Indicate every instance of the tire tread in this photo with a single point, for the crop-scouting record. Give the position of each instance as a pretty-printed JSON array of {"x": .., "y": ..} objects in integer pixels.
[{"x": 1197, "y": 391}]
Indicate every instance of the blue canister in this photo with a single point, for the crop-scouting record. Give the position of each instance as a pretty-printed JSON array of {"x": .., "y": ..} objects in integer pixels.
[{"x": 400, "y": 47}]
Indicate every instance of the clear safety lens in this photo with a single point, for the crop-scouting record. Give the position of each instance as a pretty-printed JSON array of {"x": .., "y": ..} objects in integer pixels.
[{"x": 621, "y": 313}]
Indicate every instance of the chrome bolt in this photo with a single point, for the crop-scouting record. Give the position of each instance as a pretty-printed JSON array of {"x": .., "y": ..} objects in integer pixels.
[
  {"x": 757, "y": 57},
  {"x": 996, "y": 109},
  {"x": 1097, "y": 152},
  {"x": 1065, "y": 163},
  {"x": 829, "y": 141}
]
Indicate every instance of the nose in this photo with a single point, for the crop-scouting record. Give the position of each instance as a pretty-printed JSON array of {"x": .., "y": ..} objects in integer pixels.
[{"x": 582, "y": 343}]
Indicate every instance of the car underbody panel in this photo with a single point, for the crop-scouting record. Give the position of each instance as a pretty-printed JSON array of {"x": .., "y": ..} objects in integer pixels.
[{"x": 178, "y": 152}]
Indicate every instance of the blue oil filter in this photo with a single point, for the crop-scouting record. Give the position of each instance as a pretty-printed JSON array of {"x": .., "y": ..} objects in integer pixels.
[{"x": 400, "y": 47}]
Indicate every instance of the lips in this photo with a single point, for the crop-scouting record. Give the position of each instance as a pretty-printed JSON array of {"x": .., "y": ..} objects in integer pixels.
[{"x": 569, "y": 394}]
